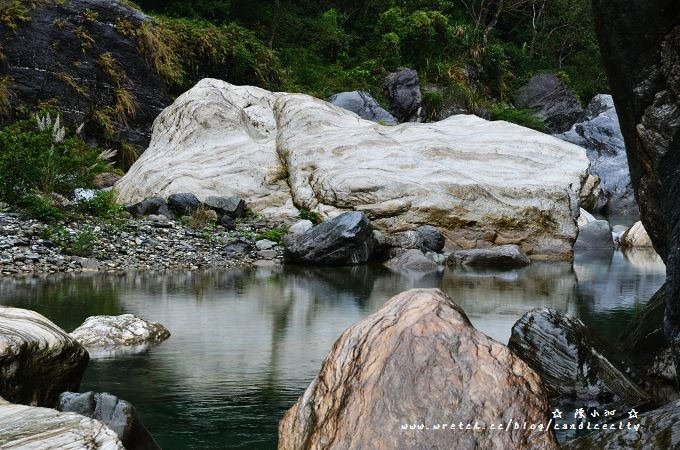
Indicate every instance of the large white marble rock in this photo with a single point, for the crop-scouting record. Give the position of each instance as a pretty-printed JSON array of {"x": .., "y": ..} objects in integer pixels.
[
  {"x": 38, "y": 360},
  {"x": 27, "y": 427},
  {"x": 484, "y": 183}
]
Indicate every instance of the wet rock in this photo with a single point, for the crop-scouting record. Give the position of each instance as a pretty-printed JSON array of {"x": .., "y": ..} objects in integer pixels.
[
  {"x": 418, "y": 353},
  {"x": 106, "y": 180},
  {"x": 413, "y": 260},
  {"x": 636, "y": 236},
  {"x": 555, "y": 104},
  {"x": 598, "y": 131},
  {"x": 38, "y": 359},
  {"x": 595, "y": 235},
  {"x": 346, "y": 239},
  {"x": 42, "y": 428},
  {"x": 363, "y": 105},
  {"x": 149, "y": 206},
  {"x": 119, "y": 415},
  {"x": 505, "y": 256},
  {"x": 233, "y": 207},
  {"x": 123, "y": 330},
  {"x": 658, "y": 429},
  {"x": 183, "y": 204},
  {"x": 437, "y": 258},
  {"x": 301, "y": 227},
  {"x": 433, "y": 239},
  {"x": 403, "y": 91},
  {"x": 570, "y": 358}
]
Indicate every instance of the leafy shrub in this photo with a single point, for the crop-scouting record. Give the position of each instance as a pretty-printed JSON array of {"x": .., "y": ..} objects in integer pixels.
[
  {"x": 83, "y": 243},
  {"x": 524, "y": 117},
  {"x": 312, "y": 216},
  {"x": 41, "y": 207},
  {"x": 103, "y": 205},
  {"x": 273, "y": 234},
  {"x": 40, "y": 158}
]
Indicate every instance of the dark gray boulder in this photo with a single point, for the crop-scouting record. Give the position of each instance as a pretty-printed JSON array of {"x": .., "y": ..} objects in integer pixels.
[
  {"x": 227, "y": 222},
  {"x": 239, "y": 246},
  {"x": 598, "y": 131},
  {"x": 595, "y": 235},
  {"x": 117, "y": 414},
  {"x": 571, "y": 360},
  {"x": 183, "y": 204},
  {"x": 505, "y": 256},
  {"x": 403, "y": 91},
  {"x": 55, "y": 58},
  {"x": 553, "y": 101},
  {"x": 657, "y": 429},
  {"x": 426, "y": 239},
  {"x": 640, "y": 46},
  {"x": 150, "y": 206},
  {"x": 233, "y": 207},
  {"x": 362, "y": 104},
  {"x": 433, "y": 239},
  {"x": 412, "y": 260},
  {"x": 344, "y": 240}
]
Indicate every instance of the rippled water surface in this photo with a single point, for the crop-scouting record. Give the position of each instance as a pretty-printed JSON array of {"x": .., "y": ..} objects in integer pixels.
[{"x": 246, "y": 343}]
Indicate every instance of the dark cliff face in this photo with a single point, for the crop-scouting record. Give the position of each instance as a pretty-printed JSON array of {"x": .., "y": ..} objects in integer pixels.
[
  {"x": 81, "y": 57},
  {"x": 640, "y": 42}
]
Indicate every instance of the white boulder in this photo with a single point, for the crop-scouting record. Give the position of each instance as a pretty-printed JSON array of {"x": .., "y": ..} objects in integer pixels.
[
  {"x": 636, "y": 236},
  {"x": 26, "y": 427},
  {"x": 123, "y": 330},
  {"x": 465, "y": 175}
]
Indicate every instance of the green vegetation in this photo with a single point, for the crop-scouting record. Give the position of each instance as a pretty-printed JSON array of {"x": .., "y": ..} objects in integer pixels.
[
  {"x": 78, "y": 244},
  {"x": 102, "y": 205},
  {"x": 481, "y": 50},
  {"x": 312, "y": 216},
  {"x": 525, "y": 117},
  {"x": 39, "y": 161},
  {"x": 273, "y": 234}
]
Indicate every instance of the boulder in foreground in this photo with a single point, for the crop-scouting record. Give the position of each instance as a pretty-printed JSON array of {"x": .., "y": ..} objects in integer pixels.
[
  {"x": 418, "y": 360},
  {"x": 569, "y": 358},
  {"x": 27, "y": 427},
  {"x": 658, "y": 429},
  {"x": 38, "y": 360},
  {"x": 119, "y": 415},
  {"x": 346, "y": 239}
]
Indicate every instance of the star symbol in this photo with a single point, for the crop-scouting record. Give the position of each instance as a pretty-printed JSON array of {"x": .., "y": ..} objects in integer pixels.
[
  {"x": 632, "y": 414},
  {"x": 557, "y": 414}
]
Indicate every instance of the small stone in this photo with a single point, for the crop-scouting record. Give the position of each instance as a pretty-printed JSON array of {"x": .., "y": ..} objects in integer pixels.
[{"x": 265, "y": 244}]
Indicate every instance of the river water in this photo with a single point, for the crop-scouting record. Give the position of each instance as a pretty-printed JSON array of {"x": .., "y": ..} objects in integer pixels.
[{"x": 246, "y": 343}]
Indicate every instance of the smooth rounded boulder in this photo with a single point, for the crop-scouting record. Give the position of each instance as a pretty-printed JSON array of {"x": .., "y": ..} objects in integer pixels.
[
  {"x": 413, "y": 260},
  {"x": 38, "y": 360},
  {"x": 363, "y": 105},
  {"x": 345, "y": 240},
  {"x": 596, "y": 235},
  {"x": 183, "y": 204},
  {"x": 123, "y": 330},
  {"x": 27, "y": 427},
  {"x": 417, "y": 361},
  {"x": 571, "y": 360},
  {"x": 119, "y": 415}
]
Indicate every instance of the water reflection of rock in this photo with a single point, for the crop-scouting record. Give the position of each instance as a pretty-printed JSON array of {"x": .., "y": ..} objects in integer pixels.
[{"x": 611, "y": 287}]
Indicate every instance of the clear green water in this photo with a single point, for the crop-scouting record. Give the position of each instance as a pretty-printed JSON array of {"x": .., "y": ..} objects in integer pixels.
[{"x": 246, "y": 343}]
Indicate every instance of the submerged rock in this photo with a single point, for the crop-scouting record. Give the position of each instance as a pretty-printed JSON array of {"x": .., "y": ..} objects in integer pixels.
[
  {"x": 119, "y": 415},
  {"x": 364, "y": 106},
  {"x": 570, "y": 359},
  {"x": 475, "y": 180},
  {"x": 505, "y": 256},
  {"x": 123, "y": 330},
  {"x": 636, "y": 236},
  {"x": 555, "y": 103},
  {"x": 38, "y": 360},
  {"x": 595, "y": 235},
  {"x": 598, "y": 131},
  {"x": 26, "y": 427},
  {"x": 416, "y": 361},
  {"x": 346, "y": 239},
  {"x": 403, "y": 91},
  {"x": 412, "y": 260},
  {"x": 658, "y": 429}
]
